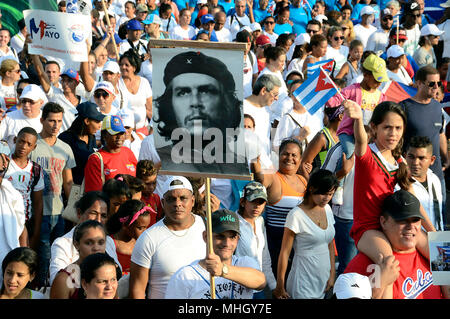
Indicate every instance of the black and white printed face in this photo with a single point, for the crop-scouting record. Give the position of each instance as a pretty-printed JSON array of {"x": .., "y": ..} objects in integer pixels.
[{"x": 196, "y": 97}]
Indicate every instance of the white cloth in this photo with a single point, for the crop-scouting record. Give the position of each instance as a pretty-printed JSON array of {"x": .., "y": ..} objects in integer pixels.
[
  {"x": 253, "y": 243},
  {"x": 125, "y": 46},
  {"x": 363, "y": 34},
  {"x": 284, "y": 103},
  {"x": 17, "y": 42},
  {"x": 8, "y": 96},
  {"x": 138, "y": 100},
  {"x": 425, "y": 197},
  {"x": 223, "y": 190},
  {"x": 233, "y": 23},
  {"x": 147, "y": 71},
  {"x": 178, "y": 33},
  {"x": 70, "y": 111},
  {"x": 311, "y": 266},
  {"x": 261, "y": 115},
  {"x": 288, "y": 128},
  {"x": 249, "y": 70},
  {"x": 64, "y": 253},
  {"x": 401, "y": 76},
  {"x": 223, "y": 35},
  {"x": 21, "y": 179},
  {"x": 346, "y": 210},
  {"x": 164, "y": 251},
  {"x": 378, "y": 41},
  {"x": 192, "y": 282},
  {"x": 12, "y": 219},
  {"x": 134, "y": 146},
  {"x": 338, "y": 55},
  {"x": 14, "y": 122},
  {"x": 412, "y": 44},
  {"x": 445, "y": 26},
  {"x": 273, "y": 37}
]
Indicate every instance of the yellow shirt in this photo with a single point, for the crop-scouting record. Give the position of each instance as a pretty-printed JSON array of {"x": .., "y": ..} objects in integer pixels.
[{"x": 369, "y": 100}]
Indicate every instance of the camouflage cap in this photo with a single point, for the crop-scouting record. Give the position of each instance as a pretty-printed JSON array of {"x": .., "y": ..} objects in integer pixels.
[{"x": 254, "y": 190}]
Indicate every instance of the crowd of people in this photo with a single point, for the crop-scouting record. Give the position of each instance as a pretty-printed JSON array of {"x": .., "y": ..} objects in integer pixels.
[{"x": 85, "y": 213}]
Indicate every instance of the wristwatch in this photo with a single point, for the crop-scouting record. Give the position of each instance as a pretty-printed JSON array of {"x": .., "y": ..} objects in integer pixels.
[{"x": 224, "y": 270}]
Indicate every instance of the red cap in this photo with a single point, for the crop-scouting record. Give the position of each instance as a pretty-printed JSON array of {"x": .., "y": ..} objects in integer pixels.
[{"x": 262, "y": 40}]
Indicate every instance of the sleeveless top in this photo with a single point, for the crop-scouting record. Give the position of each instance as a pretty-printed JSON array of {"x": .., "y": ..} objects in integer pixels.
[
  {"x": 290, "y": 198},
  {"x": 352, "y": 73},
  {"x": 330, "y": 143},
  {"x": 76, "y": 294},
  {"x": 124, "y": 259}
]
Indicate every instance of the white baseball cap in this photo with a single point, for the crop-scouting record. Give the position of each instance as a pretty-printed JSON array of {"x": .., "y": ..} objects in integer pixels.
[
  {"x": 34, "y": 93},
  {"x": 430, "y": 29},
  {"x": 127, "y": 117},
  {"x": 352, "y": 285},
  {"x": 320, "y": 17},
  {"x": 302, "y": 38},
  {"x": 367, "y": 10},
  {"x": 176, "y": 182},
  {"x": 255, "y": 26},
  {"x": 395, "y": 51},
  {"x": 111, "y": 66},
  {"x": 106, "y": 86}
]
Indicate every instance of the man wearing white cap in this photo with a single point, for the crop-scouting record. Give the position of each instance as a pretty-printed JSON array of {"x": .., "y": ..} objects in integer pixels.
[
  {"x": 365, "y": 29},
  {"x": 429, "y": 36},
  {"x": 31, "y": 101},
  {"x": 395, "y": 70},
  {"x": 352, "y": 286},
  {"x": 173, "y": 242}
]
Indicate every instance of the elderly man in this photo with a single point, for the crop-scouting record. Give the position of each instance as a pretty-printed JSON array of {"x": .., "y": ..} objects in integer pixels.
[
  {"x": 173, "y": 242},
  {"x": 196, "y": 116},
  {"x": 239, "y": 19},
  {"x": 407, "y": 269},
  {"x": 222, "y": 33},
  {"x": 29, "y": 114},
  {"x": 236, "y": 276}
]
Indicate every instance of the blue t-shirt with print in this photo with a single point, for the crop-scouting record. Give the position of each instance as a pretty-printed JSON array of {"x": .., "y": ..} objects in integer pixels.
[
  {"x": 282, "y": 28},
  {"x": 300, "y": 17}
]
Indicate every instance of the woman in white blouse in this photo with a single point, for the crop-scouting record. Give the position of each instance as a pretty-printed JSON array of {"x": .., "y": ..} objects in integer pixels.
[{"x": 253, "y": 239}]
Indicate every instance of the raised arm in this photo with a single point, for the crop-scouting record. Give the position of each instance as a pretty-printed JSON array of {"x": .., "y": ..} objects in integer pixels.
[
  {"x": 43, "y": 78},
  {"x": 353, "y": 111}
]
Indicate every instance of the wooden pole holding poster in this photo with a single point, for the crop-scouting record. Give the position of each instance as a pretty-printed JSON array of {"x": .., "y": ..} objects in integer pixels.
[
  {"x": 109, "y": 25},
  {"x": 222, "y": 174}
]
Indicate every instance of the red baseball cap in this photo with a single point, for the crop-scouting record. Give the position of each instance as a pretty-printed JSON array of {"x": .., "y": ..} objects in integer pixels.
[{"x": 262, "y": 40}]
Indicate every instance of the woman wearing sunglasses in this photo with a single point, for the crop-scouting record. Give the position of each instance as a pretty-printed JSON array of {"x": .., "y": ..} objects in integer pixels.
[
  {"x": 10, "y": 73},
  {"x": 429, "y": 37},
  {"x": 336, "y": 49}
]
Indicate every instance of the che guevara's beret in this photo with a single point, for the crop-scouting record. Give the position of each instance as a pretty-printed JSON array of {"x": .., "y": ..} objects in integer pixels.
[{"x": 197, "y": 62}]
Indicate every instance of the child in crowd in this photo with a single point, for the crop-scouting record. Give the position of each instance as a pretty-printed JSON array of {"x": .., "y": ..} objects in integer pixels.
[
  {"x": 147, "y": 172},
  {"x": 135, "y": 185},
  {"x": 124, "y": 227},
  {"x": 118, "y": 193}
]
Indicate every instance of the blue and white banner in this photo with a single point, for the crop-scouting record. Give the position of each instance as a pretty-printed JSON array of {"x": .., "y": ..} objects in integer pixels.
[
  {"x": 58, "y": 34},
  {"x": 315, "y": 91}
]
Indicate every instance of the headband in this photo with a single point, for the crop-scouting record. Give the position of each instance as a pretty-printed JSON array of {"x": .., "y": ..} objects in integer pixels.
[{"x": 136, "y": 215}]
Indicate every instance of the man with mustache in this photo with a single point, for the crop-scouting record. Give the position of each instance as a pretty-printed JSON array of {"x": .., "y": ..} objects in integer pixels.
[{"x": 198, "y": 116}]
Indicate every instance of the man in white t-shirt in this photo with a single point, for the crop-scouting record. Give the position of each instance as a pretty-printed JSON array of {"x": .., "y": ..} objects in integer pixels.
[
  {"x": 31, "y": 100},
  {"x": 239, "y": 19},
  {"x": 265, "y": 91},
  {"x": 235, "y": 277},
  {"x": 27, "y": 177},
  {"x": 379, "y": 40},
  {"x": 222, "y": 33},
  {"x": 173, "y": 242},
  {"x": 250, "y": 62},
  {"x": 364, "y": 30}
]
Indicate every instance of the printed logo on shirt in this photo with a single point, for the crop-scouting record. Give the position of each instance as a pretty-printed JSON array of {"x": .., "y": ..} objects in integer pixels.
[
  {"x": 411, "y": 289},
  {"x": 109, "y": 171},
  {"x": 130, "y": 167}
]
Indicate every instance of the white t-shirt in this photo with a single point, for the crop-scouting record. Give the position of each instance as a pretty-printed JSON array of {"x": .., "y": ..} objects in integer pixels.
[
  {"x": 147, "y": 71},
  {"x": 14, "y": 122},
  {"x": 178, "y": 33},
  {"x": 168, "y": 25},
  {"x": 249, "y": 70},
  {"x": 192, "y": 282},
  {"x": 223, "y": 35},
  {"x": 363, "y": 34},
  {"x": 8, "y": 96},
  {"x": 401, "y": 76},
  {"x": 22, "y": 180},
  {"x": 125, "y": 46},
  {"x": 339, "y": 56},
  {"x": 288, "y": 128},
  {"x": 412, "y": 44},
  {"x": 137, "y": 101},
  {"x": 378, "y": 41},
  {"x": 70, "y": 111},
  {"x": 64, "y": 253},
  {"x": 164, "y": 251},
  {"x": 233, "y": 23},
  {"x": 261, "y": 115},
  {"x": 273, "y": 37}
]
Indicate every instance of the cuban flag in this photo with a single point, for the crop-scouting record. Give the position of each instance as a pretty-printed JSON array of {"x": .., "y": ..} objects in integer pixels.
[
  {"x": 327, "y": 65},
  {"x": 316, "y": 90}
]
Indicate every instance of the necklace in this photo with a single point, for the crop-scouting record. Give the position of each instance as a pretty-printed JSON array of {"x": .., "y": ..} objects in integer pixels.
[{"x": 185, "y": 231}]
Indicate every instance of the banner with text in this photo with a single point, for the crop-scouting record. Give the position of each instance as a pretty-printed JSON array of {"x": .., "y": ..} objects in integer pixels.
[{"x": 58, "y": 34}]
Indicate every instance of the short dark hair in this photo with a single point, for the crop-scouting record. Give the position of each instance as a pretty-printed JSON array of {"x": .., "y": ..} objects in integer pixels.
[
  {"x": 28, "y": 130},
  {"x": 80, "y": 229},
  {"x": 273, "y": 53},
  {"x": 288, "y": 141},
  {"x": 114, "y": 187},
  {"x": 321, "y": 182},
  {"x": 51, "y": 107},
  {"x": 133, "y": 58},
  {"x": 145, "y": 168},
  {"x": 88, "y": 199},
  {"x": 52, "y": 62},
  {"x": 423, "y": 72},
  {"x": 93, "y": 262},
  {"x": 421, "y": 142}
]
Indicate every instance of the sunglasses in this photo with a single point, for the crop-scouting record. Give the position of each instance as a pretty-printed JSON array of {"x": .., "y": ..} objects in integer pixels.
[
  {"x": 344, "y": 28},
  {"x": 388, "y": 18},
  {"x": 312, "y": 31},
  {"x": 102, "y": 94},
  {"x": 433, "y": 84},
  {"x": 270, "y": 22},
  {"x": 416, "y": 15},
  {"x": 16, "y": 71},
  {"x": 338, "y": 38}
]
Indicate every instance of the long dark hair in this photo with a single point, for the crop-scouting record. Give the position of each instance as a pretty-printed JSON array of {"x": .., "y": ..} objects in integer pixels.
[
  {"x": 378, "y": 116},
  {"x": 21, "y": 254},
  {"x": 127, "y": 209},
  {"x": 321, "y": 182}
]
